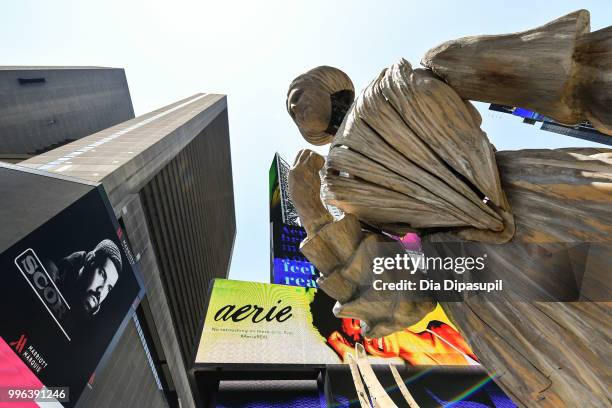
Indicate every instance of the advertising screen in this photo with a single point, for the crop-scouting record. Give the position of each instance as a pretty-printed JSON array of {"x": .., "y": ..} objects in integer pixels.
[
  {"x": 259, "y": 323},
  {"x": 288, "y": 265},
  {"x": 67, "y": 288}
]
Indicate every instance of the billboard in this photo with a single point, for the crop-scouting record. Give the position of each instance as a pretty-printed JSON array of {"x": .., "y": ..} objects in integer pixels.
[
  {"x": 287, "y": 264},
  {"x": 267, "y": 324},
  {"x": 281, "y": 206},
  {"x": 68, "y": 286}
]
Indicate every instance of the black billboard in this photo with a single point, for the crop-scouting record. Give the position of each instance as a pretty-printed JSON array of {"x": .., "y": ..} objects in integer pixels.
[{"x": 68, "y": 288}]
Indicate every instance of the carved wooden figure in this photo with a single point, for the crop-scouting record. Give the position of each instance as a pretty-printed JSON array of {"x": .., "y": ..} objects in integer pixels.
[
  {"x": 409, "y": 155},
  {"x": 560, "y": 69}
]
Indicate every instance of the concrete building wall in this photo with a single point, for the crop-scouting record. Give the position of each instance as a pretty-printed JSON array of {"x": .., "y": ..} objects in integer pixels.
[
  {"x": 126, "y": 380},
  {"x": 189, "y": 207},
  {"x": 44, "y": 107},
  {"x": 182, "y": 139}
]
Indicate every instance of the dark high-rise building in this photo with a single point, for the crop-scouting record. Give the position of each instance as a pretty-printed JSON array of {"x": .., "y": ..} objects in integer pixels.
[
  {"x": 168, "y": 180},
  {"x": 45, "y": 107}
]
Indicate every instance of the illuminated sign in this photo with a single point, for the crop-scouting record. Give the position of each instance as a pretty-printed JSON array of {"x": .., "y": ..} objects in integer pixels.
[
  {"x": 287, "y": 265},
  {"x": 281, "y": 206},
  {"x": 259, "y": 323}
]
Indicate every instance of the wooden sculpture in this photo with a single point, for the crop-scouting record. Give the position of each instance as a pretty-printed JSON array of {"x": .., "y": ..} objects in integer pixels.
[
  {"x": 560, "y": 70},
  {"x": 409, "y": 155},
  {"x": 318, "y": 101}
]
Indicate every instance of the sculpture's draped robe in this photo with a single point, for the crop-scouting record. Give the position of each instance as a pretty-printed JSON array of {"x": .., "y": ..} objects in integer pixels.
[{"x": 410, "y": 155}]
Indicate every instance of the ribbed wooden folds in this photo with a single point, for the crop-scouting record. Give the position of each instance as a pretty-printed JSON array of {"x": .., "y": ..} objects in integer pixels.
[{"x": 410, "y": 154}]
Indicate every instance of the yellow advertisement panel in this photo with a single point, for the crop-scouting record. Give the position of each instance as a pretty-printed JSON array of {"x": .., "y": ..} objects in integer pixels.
[{"x": 260, "y": 323}]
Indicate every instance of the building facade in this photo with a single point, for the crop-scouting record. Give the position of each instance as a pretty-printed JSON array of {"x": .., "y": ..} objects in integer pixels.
[
  {"x": 45, "y": 107},
  {"x": 168, "y": 178}
]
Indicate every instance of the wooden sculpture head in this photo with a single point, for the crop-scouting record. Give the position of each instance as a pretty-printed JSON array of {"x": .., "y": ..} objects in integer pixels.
[
  {"x": 318, "y": 100},
  {"x": 410, "y": 155}
]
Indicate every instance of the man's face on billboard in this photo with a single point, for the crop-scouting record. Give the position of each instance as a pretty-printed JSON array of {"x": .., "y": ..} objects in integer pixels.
[{"x": 103, "y": 280}]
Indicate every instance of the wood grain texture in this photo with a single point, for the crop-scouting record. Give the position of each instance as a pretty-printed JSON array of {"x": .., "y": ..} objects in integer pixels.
[
  {"x": 411, "y": 154},
  {"x": 594, "y": 58},
  {"x": 560, "y": 69},
  {"x": 304, "y": 184},
  {"x": 548, "y": 353},
  {"x": 542, "y": 353},
  {"x": 344, "y": 255},
  {"x": 402, "y": 387},
  {"x": 378, "y": 395},
  {"x": 362, "y": 395},
  {"x": 317, "y": 99}
]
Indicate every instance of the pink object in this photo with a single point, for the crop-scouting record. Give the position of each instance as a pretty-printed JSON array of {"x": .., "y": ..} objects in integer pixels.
[
  {"x": 14, "y": 373},
  {"x": 411, "y": 242}
]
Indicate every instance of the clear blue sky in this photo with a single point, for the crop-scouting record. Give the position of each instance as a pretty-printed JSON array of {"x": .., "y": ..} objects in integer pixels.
[{"x": 250, "y": 51}]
